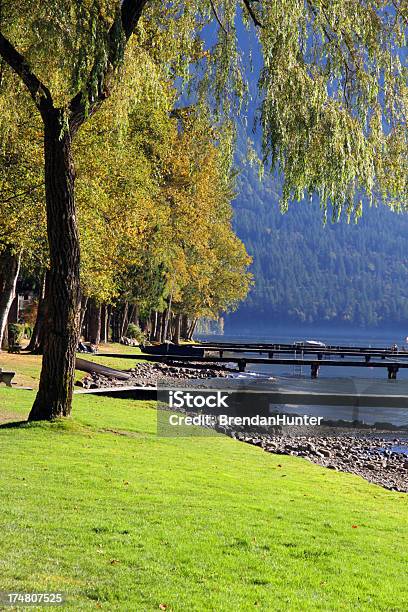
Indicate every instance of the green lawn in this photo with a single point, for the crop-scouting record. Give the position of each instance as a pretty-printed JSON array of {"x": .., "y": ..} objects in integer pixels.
[
  {"x": 118, "y": 363},
  {"x": 102, "y": 509}
]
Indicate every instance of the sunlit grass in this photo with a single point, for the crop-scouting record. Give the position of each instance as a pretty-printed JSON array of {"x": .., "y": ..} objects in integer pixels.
[
  {"x": 28, "y": 367},
  {"x": 99, "y": 507}
]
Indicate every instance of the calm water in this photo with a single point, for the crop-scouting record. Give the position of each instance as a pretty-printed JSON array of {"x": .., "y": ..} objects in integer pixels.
[
  {"x": 359, "y": 338},
  {"x": 343, "y": 379}
]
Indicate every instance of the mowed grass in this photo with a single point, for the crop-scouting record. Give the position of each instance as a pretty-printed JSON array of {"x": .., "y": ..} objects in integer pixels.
[
  {"x": 118, "y": 363},
  {"x": 28, "y": 367},
  {"x": 102, "y": 509}
]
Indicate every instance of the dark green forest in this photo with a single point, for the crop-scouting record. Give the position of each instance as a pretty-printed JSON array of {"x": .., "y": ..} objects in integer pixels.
[{"x": 348, "y": 275}]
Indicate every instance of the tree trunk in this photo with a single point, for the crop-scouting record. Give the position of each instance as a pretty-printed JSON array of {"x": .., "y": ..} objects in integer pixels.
[
  {"x": 135, "y": 315},
  {"x": 184, "y": 326},
  {"x": 115, "y": 325},
  {"x": 125, "y": 320},
  {"x": 4, "y": 345},
  {"x": 9, "y": 271},
  {"x": 177, "y": 325},
  {"x": 94, "y": 322},
  {"x": 54, "y": 397},
  {"x": 192, "y": 329},
  {"x": 163, "y": 326},
  {"x": 82, "y": 315},
  {"x": 37, "y": 342},
  {"x": 104, "y": 324},
  {"x": 108, "y": 322},
  {"x": 157, "y": 335},
  {"x": 153, "y": 320}
]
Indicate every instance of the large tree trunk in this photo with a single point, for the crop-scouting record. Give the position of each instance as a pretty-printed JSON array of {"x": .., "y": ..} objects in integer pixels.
[
  {"x": 9, "y": 271},
  {"x": 54, "y": 397},
  {"x": 37, "y": 340}
]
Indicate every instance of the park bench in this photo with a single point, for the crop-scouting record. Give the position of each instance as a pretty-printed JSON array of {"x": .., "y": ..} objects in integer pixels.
[{"x": 6, "y": 377}]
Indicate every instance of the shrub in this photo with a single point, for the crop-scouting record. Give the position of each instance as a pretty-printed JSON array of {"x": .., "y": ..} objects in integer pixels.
[
  {"x": 15, "y": 333},
  {"x": 28, "y": 330},
  {"x": 134, "y": 332}
]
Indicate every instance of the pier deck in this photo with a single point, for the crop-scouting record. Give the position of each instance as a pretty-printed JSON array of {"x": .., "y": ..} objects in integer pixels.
[{"x": 242, "y": 362}]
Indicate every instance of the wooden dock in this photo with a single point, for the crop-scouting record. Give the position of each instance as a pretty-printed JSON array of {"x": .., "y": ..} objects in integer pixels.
[
  {"x": 242, "y": 362},
  {"x": 367, "y": 353}
]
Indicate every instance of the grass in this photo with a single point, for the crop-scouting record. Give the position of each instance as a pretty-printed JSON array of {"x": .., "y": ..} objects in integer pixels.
[
  {"x": 102, "y": 509},
  {"x": 28, "y": 367},
  {"x": 118, "y": 363}
]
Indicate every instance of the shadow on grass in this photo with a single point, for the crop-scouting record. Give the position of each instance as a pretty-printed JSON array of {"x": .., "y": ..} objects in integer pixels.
[
  {"x": 14, "y": 424},
  {"x": 58, "y": 425}
]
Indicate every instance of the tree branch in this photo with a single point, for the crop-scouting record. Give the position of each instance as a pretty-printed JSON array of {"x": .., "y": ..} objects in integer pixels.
[
  {"x": 214, "y": 10},
  {"x": 131, "y": 12},
  {"x": 21, "y": 194},
  {"x": 39, "y": 92},
  {"x": 252, "y": 14},
  {"x": 80, "y": 107}
]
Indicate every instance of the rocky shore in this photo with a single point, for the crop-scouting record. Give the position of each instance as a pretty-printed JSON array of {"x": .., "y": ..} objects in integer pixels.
[
  {"x": 148, "y": 374},
  {"x": 372, "y": 458}
]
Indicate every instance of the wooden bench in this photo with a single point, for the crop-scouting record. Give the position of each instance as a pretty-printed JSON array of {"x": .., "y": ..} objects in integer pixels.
[{"x": 6, "y": 377}]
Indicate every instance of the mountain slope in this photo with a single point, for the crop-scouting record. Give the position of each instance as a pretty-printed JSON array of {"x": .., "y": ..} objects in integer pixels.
[{"x": 343, "y": 274}]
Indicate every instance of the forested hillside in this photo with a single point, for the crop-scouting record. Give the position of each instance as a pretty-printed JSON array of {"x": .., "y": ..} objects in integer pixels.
[{"x": 343, "y": 274}]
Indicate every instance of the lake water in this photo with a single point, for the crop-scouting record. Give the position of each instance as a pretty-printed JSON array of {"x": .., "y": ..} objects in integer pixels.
[
  {"x": 340, "y": 379},
  {"x": 358, "y": 338}
]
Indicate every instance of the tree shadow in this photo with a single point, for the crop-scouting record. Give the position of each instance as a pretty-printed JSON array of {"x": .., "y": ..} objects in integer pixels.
[{"x": 14, "y": 424}]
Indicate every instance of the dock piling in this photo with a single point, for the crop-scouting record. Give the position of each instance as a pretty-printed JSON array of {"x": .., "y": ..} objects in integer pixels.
[{"x": 314, "y": 370}]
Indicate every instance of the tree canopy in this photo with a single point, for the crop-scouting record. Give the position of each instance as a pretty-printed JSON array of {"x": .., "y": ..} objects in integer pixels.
[
  {"x": 332, "y": 88},
  {"x": 332, "y": 110}
]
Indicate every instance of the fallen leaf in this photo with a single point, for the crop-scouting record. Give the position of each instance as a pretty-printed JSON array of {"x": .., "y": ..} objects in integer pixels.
[{"x": 354, "y": 526}]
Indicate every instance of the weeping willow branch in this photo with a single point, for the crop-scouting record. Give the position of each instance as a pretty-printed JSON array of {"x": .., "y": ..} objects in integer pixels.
[
  {"x": 252, "y": 14},
  {"x": 86, "y": 102},
  {"x": 39, "y": 92},
  {"x": 214, "y": 10}
]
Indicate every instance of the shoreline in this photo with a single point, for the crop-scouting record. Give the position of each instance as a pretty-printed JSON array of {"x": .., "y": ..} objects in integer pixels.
[{"x": 370, "y": 457}]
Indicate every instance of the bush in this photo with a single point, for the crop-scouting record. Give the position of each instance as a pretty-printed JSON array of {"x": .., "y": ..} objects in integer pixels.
[
  {"x": 15, "y": 333},
  {"x": 134, "y": 332},
  {"x": 28, "y": 330}
]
